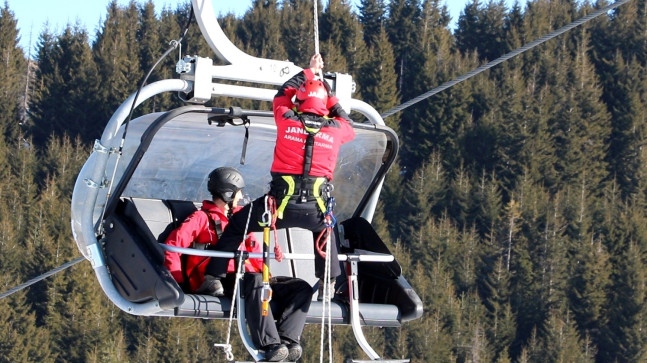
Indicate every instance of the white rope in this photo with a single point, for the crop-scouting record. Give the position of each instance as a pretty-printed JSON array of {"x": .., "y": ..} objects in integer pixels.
[
  {"x": 326, "y": 301},
  {"x": 316, "y": 31},
  {"x": 316, "y": 25},
  {"x": 239, "y": 274}
]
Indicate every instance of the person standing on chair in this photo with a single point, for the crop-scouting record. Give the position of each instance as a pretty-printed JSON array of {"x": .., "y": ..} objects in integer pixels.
[{"x": 310, "y": 132}]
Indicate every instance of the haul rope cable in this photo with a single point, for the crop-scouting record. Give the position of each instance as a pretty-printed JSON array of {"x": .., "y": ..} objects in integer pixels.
[
  {"x": 503, "y": 58},
  {"x": 402, "y": 106}
]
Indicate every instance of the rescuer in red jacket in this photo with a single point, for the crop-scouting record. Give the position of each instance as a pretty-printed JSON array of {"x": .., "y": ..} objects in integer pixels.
[
  {"x": 310, "y": 132},
  {"x": 278, "y": 340},
  {"x": 202, "y": 229}
]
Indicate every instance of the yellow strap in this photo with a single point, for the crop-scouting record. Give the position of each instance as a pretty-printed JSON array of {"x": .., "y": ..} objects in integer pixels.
[
  {"x": 317, "y": 188},
  {"x": 284, "y": 202},
  {"x": 290, "y": 192}
]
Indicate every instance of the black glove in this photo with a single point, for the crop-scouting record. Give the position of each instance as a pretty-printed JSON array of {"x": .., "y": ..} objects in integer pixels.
[{"x": 338, "y": 111}]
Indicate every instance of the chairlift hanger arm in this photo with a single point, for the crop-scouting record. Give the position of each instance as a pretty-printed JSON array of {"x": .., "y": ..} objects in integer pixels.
[{"x": 240, "y": 64}]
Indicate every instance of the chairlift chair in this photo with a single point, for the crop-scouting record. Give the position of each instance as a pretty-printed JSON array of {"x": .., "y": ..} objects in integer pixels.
[{"x": 133, "y": 190}]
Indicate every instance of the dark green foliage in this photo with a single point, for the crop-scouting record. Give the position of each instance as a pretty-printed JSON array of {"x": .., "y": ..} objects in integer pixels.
[
  {"x": 516, "y": 207},
  {"x": 13, "y": 75},
  {"x": 60, "y": 103}
]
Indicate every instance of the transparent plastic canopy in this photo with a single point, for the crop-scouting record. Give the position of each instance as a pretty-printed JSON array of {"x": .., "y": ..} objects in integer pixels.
[{"x": 185, "y": 150}]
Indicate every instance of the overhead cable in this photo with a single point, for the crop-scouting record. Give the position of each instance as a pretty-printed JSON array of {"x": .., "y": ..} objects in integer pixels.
[
  {"x": 504, "y": 58},
  {"x": 41, "y": 277}
]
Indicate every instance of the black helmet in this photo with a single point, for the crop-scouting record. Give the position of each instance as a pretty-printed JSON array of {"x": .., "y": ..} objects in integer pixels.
[{"x": 225, "y": 182}]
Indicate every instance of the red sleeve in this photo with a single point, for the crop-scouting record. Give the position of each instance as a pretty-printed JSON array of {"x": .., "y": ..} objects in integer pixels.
[
  {"x": 332, "y": 100},
  {"x": 349, "y": 132},
  {"x": 183, "y": 236},
  {"x": 253, "y": 246}
]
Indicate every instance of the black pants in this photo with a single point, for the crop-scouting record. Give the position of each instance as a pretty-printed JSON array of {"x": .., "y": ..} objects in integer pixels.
[
  {"x": 303, "y": 215},
  {"x": 289, "y": 306}
]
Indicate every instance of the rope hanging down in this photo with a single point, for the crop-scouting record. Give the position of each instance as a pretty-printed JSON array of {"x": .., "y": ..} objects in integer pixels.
[{"x": 504, "y": 58}]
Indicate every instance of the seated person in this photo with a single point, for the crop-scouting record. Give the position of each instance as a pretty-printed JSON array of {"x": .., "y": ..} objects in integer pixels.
[{"x": 291, "y": 296}]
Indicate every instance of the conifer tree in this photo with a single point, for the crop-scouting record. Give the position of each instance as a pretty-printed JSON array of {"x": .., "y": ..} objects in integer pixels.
[
  {"x": 587, "y": 286},
  {"x": 260, "y": 30},
  {"x": 623, "y": 338},
  {"x": 372, "y": 15},
  {"x": 169, "y": 30},
  {"x": 377, "y": 81},
  {"x": 401, "y": 27},
  {"x": 423, "y": 194},
  {"x": 21, "y": 340},
  {"x": 481, "y": 29},
  {"x": 297, "y": 30},
  {"x": 12, "y": 74},
  {"x": 66, "y": 91},
  {"x": 116, "y": 53},
  {"x": 494, "y": 289},
  {"x": 341, "y": 28},
  {"x": 433, "y": 124},
  {"x": 430, "y": 337},
  {"x": 148, "y": 37},
  {"x": 77, "y": 315},
  {"x": 562, "y": 342}
]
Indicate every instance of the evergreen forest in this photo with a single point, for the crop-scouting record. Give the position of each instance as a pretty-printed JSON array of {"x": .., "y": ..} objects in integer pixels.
[{"x": 517, "y": 206}]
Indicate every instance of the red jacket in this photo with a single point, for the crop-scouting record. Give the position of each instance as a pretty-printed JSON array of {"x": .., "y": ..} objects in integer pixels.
[
  {"x": 197, "y": 228},
  {"x": 291, "y": 135}
]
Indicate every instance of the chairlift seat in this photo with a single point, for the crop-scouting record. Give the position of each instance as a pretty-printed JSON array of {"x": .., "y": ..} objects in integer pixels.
[{"x": 135, "y": 259}]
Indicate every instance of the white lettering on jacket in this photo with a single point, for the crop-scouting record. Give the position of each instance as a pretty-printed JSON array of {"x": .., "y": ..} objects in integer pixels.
[{"x": 299, "y": 130}]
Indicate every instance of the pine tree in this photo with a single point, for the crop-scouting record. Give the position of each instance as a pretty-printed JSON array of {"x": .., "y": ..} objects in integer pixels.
[
  {"x": 623, "y": 339},
  {"x": 423, "y": 193},
  {"x": 494, "y": 289},
  {"x": 401, "y": 28},
  {"x": 260, "y": 30},
  {"x": 433, "y": 124},
  {"x": 12, "y": 75},
  {"x": 297, "y": 35},
  {"x": 148, "y": 37},
  {"x": 341, "y": 28},
  {"x": 562, "y": 342},
  {"x": 481, "y": 29},
  {"x": 67, "y": 83},
  {"x": 377, "y": 80},
  {"x": 21, "y": 340},
  {"x": 588, "y": 284},
  {"x": 116, "y": 53},
  {"x": 372, "y": 15}
]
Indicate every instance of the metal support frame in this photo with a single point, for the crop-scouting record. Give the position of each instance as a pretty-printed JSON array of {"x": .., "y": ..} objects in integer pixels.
[
  {"x": 353, "y": 302},
  {"x": 355, "y": 319}
]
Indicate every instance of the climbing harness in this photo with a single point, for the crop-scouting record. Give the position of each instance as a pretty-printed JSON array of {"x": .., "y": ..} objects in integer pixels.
[{"x": 304, "y": 187}]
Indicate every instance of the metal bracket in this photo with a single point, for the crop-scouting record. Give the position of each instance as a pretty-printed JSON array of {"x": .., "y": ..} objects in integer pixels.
[
  {"x": 94, "y": 185},
  {"x": 98, "y": 147}
]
